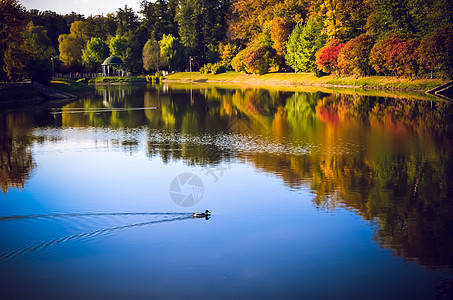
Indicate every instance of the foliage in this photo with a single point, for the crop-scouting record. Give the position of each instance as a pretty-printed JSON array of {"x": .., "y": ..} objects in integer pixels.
[
  {"x": 40, "y": 51},
  {"x": 354, "y": 57},
  {"x": 12, "y": 24},
  {"x": 227, "y": 52},
  {"x": 303, "y": 43},
  {"x": 218, "y": 68},
  {"x": 238, "y": 62},
  {"x": 152, "y": 59},
  {"x": 281, "y": 29},
  {"x": 171, "y": 51},
  {"x": 206, "y": 68},
  {"x": 435, "y": 52},
  {"x": 71, "y": 45},
  {"x": 202, "y": 25},
  {"x": 258, "y": 60},
  {"x": 395, "y": 56},
  {"x": 94, "y": 53},
  {"x": 326, "y": 57},
  {"x": 126, "y": 20},
  {"x": 119, "y": 46}
]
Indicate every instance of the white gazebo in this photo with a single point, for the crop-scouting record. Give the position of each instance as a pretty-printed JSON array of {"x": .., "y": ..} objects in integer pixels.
[{"x": 113, "y": 66}]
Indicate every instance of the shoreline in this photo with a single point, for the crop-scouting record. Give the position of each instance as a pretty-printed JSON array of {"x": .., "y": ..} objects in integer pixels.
[
  {"x": 309, "y": 79},
  {"x": 57, "y": 92}
]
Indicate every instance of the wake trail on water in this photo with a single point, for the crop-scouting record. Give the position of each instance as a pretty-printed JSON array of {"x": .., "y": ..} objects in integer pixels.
[{"x": 158, "y": 218}]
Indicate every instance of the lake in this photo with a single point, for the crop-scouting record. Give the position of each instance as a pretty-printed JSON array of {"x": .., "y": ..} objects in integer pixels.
[{"x": 314, "y": 194}]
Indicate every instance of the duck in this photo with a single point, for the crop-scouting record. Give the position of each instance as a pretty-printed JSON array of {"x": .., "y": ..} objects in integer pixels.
[{"x": 206, "y": 214}]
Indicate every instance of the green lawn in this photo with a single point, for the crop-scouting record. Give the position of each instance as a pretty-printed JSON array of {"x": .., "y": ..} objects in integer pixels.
[{"x": 286, "y": 79}]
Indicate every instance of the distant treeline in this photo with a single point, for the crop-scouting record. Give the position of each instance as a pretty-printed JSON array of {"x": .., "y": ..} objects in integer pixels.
[{"x": 412, "y": 38}]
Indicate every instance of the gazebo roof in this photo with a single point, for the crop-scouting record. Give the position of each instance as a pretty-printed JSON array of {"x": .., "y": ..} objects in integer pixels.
[{"x": 113, "y": 60}]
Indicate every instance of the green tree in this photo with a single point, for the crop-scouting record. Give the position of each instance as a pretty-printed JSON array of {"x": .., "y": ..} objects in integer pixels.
[
  {"x": 41, "y": 52},
  {"x": 94, "y": 53},
  {"x": 171, "y": 51},
  {"x": 54, "y": 24},
  {"x": 126, "y": 20},
  {"x": 188, "y": 18},
  {"x": 12, "y": 24},
  {"x": 303, "y": 43},
  {"x": 71, "y": 45},
  {"x": 118, "y": 47}
]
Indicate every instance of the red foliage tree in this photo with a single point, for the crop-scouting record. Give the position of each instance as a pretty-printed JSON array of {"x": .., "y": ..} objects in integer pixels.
[
  {"x": 355, "y": 55},
  {"x": 395, "y": 56},
  {"x": 327, "y": 56},
  {"x": 435, "y": 54}
]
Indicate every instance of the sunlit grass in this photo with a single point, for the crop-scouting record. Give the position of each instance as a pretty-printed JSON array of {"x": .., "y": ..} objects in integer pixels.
[{"x": 285, "y": 79}]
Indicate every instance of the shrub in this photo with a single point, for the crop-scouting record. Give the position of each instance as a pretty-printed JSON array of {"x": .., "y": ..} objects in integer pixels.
[
  {"x": 238, "y": 62},
  {"x": 206, "y": 68},
  {"x": 258, "y": 60},
  {"x": 395, "y": 56},
  {"x": 218, "y": 68},
  {"x": 435, "y": 53},
  {"x": 354, "y": 57},
  {"x": 326, "y": 57}
]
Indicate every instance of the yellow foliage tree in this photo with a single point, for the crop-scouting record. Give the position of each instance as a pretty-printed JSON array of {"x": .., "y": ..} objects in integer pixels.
[{"x": 71, "y": 45}]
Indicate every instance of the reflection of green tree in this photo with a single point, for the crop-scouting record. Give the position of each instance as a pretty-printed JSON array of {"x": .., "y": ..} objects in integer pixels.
[
  {"x": 400, "y": 182},
  {"x": 16, "y": 159}
]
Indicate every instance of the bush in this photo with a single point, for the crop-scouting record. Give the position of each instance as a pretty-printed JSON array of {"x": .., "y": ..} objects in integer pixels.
[
  {"x": 354, "y": 57},
  {"x": 206, "y": 68},
  {"x": 326, "y": 57},
  {"x": 395, "y": 56},
  {"x": 258, "y": 60},
  {"x": 154, "y": 79},
  {"x": 238, "y": 62},
  {"x": 435, "y": 53},
  {"x": 218, "y": 68}
]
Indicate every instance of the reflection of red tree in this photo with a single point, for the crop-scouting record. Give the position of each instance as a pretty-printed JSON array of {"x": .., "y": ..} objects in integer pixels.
[{"x": 328, "y": 114}]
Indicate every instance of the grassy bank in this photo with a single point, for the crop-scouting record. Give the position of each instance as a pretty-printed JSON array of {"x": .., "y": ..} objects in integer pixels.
[
  {"x": 130, "y": 79},
  {"x": 291, "y": 79},
  {"x": 26, "y": 93},
  {"x": 70, "y": 86}
]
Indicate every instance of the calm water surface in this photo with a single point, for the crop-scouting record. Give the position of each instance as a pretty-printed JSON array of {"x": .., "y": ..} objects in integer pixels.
[{"x": 313, "y": 195}]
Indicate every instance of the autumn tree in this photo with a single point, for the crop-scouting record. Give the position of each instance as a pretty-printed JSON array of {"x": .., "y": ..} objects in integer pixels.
[
  {"x": 435, "y": 54},
  {"x": 395, "y": 56},
  {"x": 327, "y": 56},
  {"x": 354, "y": 57},
  {"x": 227, "y": 52},
  {"x": 71, "y": 45},
  {"x": 258, "y": 60}
]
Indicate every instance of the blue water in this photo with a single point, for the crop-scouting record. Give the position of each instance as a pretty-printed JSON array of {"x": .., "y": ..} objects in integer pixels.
[{"x": 86, "y": 210}]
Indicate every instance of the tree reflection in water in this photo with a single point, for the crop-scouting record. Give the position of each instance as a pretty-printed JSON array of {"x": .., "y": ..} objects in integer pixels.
[
  {"x": 16, "y": 159},
  {"x": 388, "y": 159}
]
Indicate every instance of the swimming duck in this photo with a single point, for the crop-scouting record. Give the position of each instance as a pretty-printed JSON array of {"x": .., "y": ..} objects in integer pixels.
[{"x": 206, "y": 214}]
